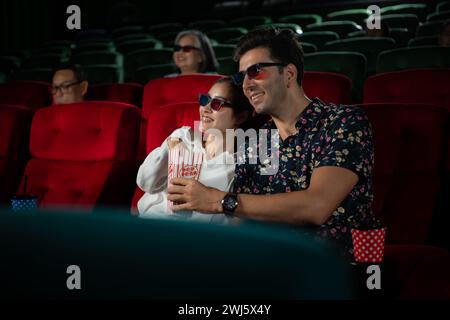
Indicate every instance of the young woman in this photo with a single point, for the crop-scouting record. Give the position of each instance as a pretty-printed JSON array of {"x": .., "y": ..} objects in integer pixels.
[
  {"x": 223, "y": 107},
  {"x": 193, "y": 53}
]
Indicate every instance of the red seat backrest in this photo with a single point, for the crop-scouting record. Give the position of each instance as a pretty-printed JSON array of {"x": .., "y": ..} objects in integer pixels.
[
  {"x": 164, "y": 120},
  {"x": 327, "y": 86},
  {"x": 15, "y": 123},
  {"x": 84, "y": 154},
  {"x": 419, "y": 272},
  {"x": 408, "y": 140},
  {"x": 165, "y": 91},
  {"x": 32, "y": 94},
  {"x": 120, "y": 92},
  {"x": 412, "y": 86}
]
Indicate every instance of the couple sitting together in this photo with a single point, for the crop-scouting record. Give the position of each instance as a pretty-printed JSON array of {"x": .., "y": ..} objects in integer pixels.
[{"x": 324, "y": 152}]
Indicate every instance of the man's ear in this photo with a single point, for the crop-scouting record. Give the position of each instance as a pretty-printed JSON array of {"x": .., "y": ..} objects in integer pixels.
[
  {"x": 84, "y": 87},
  {"x": 291, "y": 74}
]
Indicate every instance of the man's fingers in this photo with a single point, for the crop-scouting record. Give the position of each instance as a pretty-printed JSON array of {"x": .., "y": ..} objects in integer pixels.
[
  {"x": 176, "y": 198},
  {"x": 175, "y": 189},
  {"x": 180, "y": 207}
]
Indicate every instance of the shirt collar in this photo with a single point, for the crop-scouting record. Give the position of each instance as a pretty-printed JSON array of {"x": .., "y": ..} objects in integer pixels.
[
  {"x": 310, "y": 113},
  {"x": 306, "y": 116}
]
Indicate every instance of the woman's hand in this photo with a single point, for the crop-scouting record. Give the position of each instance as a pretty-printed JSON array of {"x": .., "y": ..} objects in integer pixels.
[
  {"x": 173, "y": 142},
  {"x": 189, "y": 194}
]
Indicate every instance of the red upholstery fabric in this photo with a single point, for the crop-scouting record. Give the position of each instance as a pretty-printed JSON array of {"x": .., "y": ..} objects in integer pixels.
[
  {"x": 120, "y": 92},
  {"x": 418, "y": 272},
  {"x": 409, "y": 141},
  {"x": 412, "y": 86},
  {"x": 162, "y": 122},
  {"x": 429, "y": 86},
  {"x": 30, "y": 94},
  {"x": 81, "y": 185},
  {"x": 84, "y": 154},
  {"x": 137, "y": 195},
  {"x": 73, "y": 132},
  {"x": 15, "y": 123},
  {"x": 327, "y": 86},
  {"x": 164, "y": 91}
]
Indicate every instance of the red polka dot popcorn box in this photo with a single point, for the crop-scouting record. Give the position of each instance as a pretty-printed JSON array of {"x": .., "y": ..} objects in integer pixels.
[
  {"x": 184, "y": 163},
  {"x": 368, "y": 245}
]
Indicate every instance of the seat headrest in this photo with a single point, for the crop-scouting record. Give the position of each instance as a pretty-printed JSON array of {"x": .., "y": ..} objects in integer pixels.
[{"x": 86, "y": 131}]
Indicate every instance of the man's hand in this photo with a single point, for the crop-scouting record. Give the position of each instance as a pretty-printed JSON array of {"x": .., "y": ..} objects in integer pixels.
[{"x": 190, "y": 195}]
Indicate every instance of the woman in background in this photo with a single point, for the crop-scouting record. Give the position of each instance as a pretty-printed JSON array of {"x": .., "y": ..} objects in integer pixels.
[{"x": 193, "y": 53}]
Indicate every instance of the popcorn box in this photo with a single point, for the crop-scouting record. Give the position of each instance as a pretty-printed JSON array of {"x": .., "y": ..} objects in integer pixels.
[
  {"x": 184, "y": 163},
  {"x": 368, "y": 245}
]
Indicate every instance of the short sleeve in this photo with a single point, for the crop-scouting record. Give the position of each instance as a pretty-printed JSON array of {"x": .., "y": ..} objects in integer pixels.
[
  {"x": 347, "y": 143},
  {"x": 245, "y": 172}
]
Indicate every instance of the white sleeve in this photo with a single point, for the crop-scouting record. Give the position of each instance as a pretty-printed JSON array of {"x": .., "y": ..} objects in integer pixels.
[{"x": 152, "y": 174}]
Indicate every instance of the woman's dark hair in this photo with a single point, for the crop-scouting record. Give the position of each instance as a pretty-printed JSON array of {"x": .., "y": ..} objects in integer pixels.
[
  {"x": 209, "y": 63},
  {"x": 282, "y": 44},
  {"x": 239, "y": 101}
]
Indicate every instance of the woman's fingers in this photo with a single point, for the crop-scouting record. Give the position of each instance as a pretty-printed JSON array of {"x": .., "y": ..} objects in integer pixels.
[{"x": 173, "y": 142}]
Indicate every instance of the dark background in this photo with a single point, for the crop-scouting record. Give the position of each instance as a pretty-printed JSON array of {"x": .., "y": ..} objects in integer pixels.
[{"x": 26, "y": 24}]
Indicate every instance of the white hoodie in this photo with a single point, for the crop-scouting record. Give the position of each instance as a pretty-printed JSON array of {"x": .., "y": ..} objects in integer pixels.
[{"x": 152, "y": 178}]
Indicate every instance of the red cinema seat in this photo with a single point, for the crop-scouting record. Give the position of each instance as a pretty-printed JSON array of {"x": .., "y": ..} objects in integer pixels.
[
  {"x": 429, "y": 86},
  {"x": 165, "y": 91},
  {"x": 32, "y": 94},
  {"x": 83, "y": 154},
  {"x": 418, "y": 86},
  {"x": 327, "y": 86},
  {"x": 162, "y": 122},
  {"x": 408, "y": 140},
  {"x": 130, "y": 93},
  {"x": 15, "y": 123},
  {"x": 417, "y": 272}
]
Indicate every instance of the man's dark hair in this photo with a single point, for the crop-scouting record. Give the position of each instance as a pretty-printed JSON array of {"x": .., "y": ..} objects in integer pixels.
[
  {"x": 282, "y": 44},
  {"x": 77, "y": 70}
]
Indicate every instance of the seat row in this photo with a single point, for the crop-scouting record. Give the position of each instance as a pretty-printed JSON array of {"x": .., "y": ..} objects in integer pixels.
[{"x": 84, "y": 155}]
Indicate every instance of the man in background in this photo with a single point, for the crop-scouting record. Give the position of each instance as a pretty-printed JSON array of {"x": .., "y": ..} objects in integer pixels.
[{"x": 69, "y": 84}]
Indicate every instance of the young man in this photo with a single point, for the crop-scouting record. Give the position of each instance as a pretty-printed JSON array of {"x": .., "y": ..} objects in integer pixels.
[
  {"x": 324, "y": 178},
  {"x": 69, "y": 84}
]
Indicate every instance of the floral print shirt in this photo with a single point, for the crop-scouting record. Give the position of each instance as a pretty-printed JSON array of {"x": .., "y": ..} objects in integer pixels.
[{"x": 328, "y": 135}]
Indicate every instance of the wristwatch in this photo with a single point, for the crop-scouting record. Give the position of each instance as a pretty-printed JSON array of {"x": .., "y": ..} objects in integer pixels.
[{"x": 229, "y": 203}]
